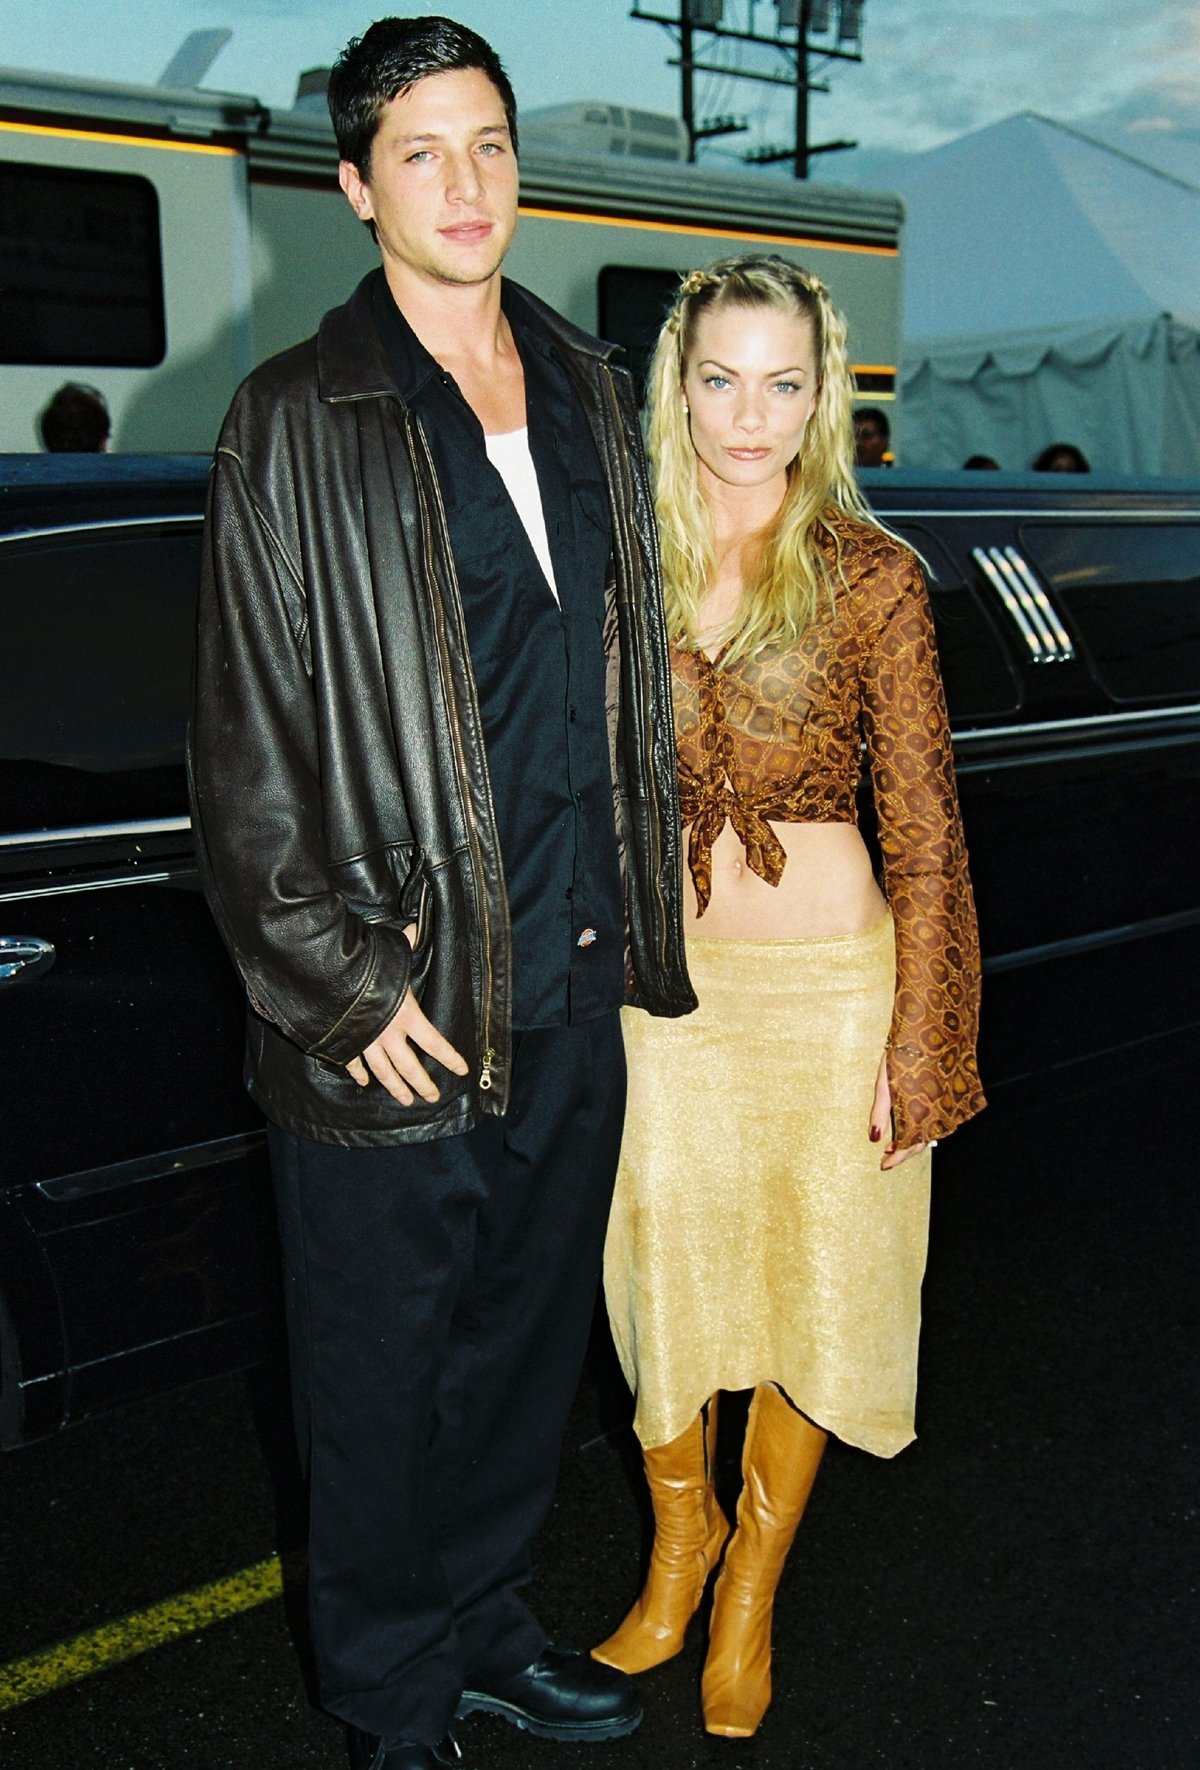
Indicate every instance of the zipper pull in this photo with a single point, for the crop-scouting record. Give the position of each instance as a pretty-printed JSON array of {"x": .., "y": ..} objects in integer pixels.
[{"x": 485, "y": 1074}]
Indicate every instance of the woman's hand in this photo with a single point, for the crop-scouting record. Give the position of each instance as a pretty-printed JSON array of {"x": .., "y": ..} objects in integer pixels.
[{"x": 881, "y": 1120}]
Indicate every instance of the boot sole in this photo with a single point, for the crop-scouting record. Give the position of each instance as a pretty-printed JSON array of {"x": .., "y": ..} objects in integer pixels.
[{"x": 614, "y": 1728}]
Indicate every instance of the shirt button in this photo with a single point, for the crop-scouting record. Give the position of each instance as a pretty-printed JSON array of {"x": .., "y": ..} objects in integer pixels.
[
  {"x": 571, "y": 714},
  {"x": 569, "y": 892}
]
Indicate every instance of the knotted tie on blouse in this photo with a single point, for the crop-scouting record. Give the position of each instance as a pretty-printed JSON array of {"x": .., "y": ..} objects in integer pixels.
[{"x": 708, "y": 809}]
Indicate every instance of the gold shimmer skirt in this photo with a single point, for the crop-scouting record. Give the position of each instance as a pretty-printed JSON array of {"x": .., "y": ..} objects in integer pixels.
[{"x": 753, "y": 1236}]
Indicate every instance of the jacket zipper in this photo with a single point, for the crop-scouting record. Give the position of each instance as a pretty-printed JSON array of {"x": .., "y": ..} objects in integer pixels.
[{"x": 485, "y": 1029}]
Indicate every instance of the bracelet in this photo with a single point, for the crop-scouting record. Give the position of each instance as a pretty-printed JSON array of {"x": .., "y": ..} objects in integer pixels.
[{"x": 906, "y": 1050}]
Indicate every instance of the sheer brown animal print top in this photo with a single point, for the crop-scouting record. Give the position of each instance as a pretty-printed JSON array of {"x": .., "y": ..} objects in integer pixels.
[{"x": 776, "y": 738}]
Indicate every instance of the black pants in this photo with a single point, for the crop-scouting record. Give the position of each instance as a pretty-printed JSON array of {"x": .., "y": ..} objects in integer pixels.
[{"x": 438, "y": 1299}]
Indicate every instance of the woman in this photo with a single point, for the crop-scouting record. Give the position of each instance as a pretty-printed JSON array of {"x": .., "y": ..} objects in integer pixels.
[{"x": 770, "y": 1222}]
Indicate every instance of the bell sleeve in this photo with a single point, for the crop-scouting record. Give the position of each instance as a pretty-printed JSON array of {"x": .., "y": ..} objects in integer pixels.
[{"x": 932, "y": 1068}]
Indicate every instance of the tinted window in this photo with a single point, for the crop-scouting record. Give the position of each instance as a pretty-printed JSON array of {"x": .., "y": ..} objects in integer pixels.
[
  {"x": 632, "y": 305},
  {"x": 82, "y": 279},
  {"x": 978, "y": 676},
  {"x": 95, "y": 666},
  {"x": 1132, "y": 595}
]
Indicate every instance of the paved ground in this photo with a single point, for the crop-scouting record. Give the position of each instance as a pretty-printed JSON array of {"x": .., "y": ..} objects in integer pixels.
[{"x": 1016, "y": 1592}]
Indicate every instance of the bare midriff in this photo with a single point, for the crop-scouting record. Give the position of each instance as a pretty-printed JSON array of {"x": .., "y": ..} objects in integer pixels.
[{"x": 827, "y": 887}]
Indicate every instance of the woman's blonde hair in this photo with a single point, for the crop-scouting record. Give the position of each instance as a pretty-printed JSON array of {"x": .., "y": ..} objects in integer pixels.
[{"x": 784, "y": 593}]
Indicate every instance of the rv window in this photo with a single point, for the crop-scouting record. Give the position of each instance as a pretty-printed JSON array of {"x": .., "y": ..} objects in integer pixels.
[
  {"x": 978, "y": 676},
  {"x": 632, "y": 304},
  {"x": 95, "y": 663},
  {"x": 1132, "y": 596},
  {"x": 82, "y": 282}
]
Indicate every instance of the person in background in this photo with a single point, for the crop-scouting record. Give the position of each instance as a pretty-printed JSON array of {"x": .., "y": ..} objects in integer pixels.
[
  {"x": 981, "y": 464},
  {"x": 872, "y": 437},
  {"x": 438, "y": 824},
  {"x": 770, "y": 1219},
  {"x": 76, "y": 421},
  {"x": 1062, "y": 458}
]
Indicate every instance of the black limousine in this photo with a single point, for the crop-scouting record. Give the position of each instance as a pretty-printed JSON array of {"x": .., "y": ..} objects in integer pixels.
[{"x": 136, "y": 1242}]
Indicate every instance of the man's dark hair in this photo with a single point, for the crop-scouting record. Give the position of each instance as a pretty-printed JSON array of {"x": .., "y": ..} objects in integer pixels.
[
  {"x": 389, "y": 59},
  {"x": 1062, "y": 457},
  {"x": 76, "y": 421},
  {"x": 875, "y": 416}
]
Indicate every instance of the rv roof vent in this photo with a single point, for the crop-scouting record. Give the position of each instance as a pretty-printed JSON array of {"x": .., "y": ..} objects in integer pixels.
[
  {"x": 311, "y": 89},
  {"x": 592, "y": 128},
  {"x": 654, "y": 123},
  {"x": 192, "y": 60}
]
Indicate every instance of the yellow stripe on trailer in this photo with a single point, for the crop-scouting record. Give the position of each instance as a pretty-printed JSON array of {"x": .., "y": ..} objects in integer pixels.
[
  {"x": 699, "y": 230},
  {"x": 144, "y": 141}
]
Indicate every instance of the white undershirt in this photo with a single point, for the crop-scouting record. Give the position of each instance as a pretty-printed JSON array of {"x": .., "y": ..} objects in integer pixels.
[{"x": 509, "y": 455}]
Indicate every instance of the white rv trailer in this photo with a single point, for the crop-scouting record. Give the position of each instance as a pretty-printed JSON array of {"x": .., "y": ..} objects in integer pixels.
[{"x": 156, "y": 244}]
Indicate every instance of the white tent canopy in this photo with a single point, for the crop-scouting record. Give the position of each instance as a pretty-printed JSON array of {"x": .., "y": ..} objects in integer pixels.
[{"x": 1051, "y": 294}]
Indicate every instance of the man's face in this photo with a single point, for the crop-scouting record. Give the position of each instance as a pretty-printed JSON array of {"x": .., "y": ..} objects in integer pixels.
[
  {"x": 870, "y": 444},
  {"x": 442, "y": 189}
]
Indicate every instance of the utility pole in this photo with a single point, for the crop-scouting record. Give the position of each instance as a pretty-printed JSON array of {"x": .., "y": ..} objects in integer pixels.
[
  {"x": 827, "y": 30},
  {"x": 800, "y": 146},
  {"x": 711, "y": 126}
]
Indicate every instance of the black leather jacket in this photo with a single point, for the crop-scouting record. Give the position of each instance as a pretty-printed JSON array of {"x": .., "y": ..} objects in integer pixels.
[{"x": 338, "y": 778}]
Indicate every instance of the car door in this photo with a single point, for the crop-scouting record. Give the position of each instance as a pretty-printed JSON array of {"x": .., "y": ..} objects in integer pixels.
[
  {"x": 135, "y": 1240},
  {"x": 1079, "y": 774}
]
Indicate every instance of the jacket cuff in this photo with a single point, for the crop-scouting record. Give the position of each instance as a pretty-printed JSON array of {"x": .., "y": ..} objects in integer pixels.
[{"x": 389, "y": 975}]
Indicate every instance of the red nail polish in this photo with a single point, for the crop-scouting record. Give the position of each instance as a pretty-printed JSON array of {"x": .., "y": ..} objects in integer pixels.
[{"x": 875, "y": 1133}]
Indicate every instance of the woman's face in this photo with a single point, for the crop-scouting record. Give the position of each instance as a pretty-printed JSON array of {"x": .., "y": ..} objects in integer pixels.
[{"x": 750, "y": 385}]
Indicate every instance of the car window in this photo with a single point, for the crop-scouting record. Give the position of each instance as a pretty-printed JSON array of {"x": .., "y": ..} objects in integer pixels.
[
  {"x": 975, "y": 668},
  {"x": 1131, "y": 592},
  {"x": 631, "y": 304},
  {"x": 95, "y": 666}
]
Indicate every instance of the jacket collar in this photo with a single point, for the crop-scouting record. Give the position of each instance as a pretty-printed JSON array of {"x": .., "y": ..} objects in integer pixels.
[{"x": 353, "y": 364}]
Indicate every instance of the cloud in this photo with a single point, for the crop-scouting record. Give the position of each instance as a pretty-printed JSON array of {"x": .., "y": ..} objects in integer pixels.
[{"x": 932, "y": 72}]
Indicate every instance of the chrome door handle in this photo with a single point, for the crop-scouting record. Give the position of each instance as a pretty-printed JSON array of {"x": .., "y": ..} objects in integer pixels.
[{"x": 23, "y": 955}]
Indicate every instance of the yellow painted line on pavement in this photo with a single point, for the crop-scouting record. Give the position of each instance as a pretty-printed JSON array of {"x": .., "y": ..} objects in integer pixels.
[{"x": 39, "y": 1673}]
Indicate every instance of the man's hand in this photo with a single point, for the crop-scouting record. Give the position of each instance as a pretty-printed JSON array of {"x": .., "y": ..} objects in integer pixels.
[
  {"x": 881, "y": 1118},
  {"x": 392, "y": 1058}
]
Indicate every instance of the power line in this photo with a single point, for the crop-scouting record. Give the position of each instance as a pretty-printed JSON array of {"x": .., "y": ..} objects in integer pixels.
[{"x": 830, "y": 30}]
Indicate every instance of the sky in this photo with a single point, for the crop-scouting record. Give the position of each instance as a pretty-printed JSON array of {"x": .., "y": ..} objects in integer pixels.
[{"x": 932, "y": 69}]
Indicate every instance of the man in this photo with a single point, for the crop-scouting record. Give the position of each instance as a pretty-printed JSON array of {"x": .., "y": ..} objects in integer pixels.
[
  {"x": 76, "y": 421},
  {"x": 872, "y": 437},
  {"x": 433, "y": 789}
]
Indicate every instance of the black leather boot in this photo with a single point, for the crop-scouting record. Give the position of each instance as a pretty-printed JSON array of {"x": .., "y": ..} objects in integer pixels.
[
  {"x": 369, "y": 1752},
  {"x": 561, "y": 1696}
]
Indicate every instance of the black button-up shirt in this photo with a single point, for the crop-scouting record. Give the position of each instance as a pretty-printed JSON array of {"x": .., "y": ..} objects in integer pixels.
[{"x": 539, "y": 668}]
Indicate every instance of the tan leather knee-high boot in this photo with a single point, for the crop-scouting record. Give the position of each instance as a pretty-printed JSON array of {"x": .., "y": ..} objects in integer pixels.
[
  {"x": 779, "y": 1464},
  {"x": 689, "y": 1532}
]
